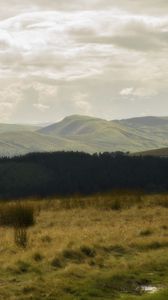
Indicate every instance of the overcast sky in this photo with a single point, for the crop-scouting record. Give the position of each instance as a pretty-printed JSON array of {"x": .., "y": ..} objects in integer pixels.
[{"x": 105, "y": 58}]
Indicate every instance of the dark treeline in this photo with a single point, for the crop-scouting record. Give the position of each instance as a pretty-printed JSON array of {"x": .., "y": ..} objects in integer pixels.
[{"x": 68, "y": 173}]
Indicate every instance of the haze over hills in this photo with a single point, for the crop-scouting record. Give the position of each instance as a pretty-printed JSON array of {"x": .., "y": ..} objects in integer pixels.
[
  {"x": 84, "y": 133},
  {"x": 149, "y": 121},
  {"x": 18, "y": 127}
]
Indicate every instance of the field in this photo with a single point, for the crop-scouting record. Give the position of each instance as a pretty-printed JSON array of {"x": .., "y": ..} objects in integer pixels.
[{"x": 109, "y": 246}]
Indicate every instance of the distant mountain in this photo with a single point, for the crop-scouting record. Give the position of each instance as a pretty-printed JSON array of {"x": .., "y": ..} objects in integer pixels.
[
  {"x": 18, "y": 127},
  {"x": 74, "y": 125},
  {"x": 155, "y": 128},
  {"x": 142, "y": 122},
  {"x": 42, "y": 124},
  {"x": 102, "y": 135},
  {"x": 84, "y": 133}
]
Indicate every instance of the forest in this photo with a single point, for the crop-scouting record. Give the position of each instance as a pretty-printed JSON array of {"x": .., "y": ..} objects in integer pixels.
[{"x": 78, "y": 173}]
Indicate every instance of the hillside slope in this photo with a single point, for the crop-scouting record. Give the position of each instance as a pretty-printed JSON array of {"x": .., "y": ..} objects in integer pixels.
[
  {"x": 18, "y": 127},
  {"x": 19, "y": 143},
  {"x": 154, "y": 127},
  {"x": 102, "y": 135},
  {"x": 84, "y": 133},
  {"x": 163, "y": 152},
  {"x": 149, "y": 121}
]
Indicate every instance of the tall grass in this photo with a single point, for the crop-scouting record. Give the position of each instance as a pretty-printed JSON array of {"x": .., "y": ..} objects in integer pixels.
[
  {"x": 95, "y": 247},
  {"x": 116, "y": 200}
]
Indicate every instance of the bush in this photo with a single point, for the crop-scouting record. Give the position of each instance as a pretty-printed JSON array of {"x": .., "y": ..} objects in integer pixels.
[{"x": 18, "y": 216}]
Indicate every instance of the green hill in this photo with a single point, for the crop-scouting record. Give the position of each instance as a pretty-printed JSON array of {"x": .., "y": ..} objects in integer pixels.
[
  {"x": 154, "y": 127},
  {"x": 102, "y": 135},
  {"x": 19, "y": 143},
  {"x": 84, "y": 133}
]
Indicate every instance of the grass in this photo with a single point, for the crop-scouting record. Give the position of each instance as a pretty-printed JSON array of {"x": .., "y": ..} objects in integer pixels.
[
  {"x": 89, "y": 248},
  {"x": 163, "y": 295}
]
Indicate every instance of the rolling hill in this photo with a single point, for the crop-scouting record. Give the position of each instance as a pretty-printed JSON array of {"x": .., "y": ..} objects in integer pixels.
[
  {"x": 84, "y": 133},
  {"x": 154, "y": 127},
  {"x": 142, "y": 122},
  {"x": 102, "y": 135},
  {"x": 163, "y": 152},
  {"x": 18, "y": 127},
  {"x": 19, "y": 143}
]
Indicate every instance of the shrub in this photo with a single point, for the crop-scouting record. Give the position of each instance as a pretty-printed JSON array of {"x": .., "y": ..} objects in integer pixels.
[{"x": 18, "y": 216}]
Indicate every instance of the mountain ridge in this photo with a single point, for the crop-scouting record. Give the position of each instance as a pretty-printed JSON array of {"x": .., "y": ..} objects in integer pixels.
[{"x": 86, "y": 133}]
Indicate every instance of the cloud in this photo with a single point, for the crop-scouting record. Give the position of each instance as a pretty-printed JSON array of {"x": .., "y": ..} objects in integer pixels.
[
  {"x": 92, "y": 57},
  {"x": 126, "y": 92},
  {"x": 41, "y": 107},
  {"x": 136, "y": 6},
  {"x": 143, "y": 36},
  {"x": 10, "y": 96},
  {"x": 138, "y": 92},
  {"x": 34, "y": 43},
  {"x": 139, "y": 34},
  {"x": 82, "y": 104}
]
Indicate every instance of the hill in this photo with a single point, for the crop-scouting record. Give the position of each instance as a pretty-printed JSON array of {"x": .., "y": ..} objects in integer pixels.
[
  {"x": 141, "y": 122},
  {"x": 155, "y": 128},
  {"x": 18, "y": 127},
  {"x": 84, "y": 133},
  {"x": 102, "y": 135},
  {"x": 22, "y": 142},
  {"x": 155, "y": 152}
]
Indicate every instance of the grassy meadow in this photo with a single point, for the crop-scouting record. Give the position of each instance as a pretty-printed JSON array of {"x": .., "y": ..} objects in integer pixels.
[{"x": 98, "y": 247}]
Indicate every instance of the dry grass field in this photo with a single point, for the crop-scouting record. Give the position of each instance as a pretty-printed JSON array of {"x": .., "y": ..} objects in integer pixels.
[{"x": 100, "y": 247}]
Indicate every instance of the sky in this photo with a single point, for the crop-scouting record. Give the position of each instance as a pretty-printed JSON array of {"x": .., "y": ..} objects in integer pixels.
[{"x": 103, "y": 58}]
